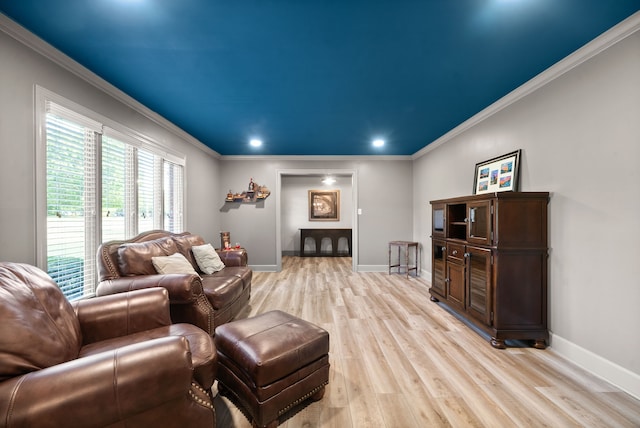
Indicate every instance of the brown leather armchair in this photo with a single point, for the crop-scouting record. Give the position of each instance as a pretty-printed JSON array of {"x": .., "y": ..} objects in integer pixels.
[{"x": 111, "y": 361}]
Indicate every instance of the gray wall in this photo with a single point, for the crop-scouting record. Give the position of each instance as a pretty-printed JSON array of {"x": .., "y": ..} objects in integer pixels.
[
  {"x": 384, "y": 193},
  {"x": 21, "y": 69},
  {"x": 580, "y": 137}
]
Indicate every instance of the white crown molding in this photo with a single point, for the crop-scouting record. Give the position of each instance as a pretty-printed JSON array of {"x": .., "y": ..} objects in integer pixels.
[
  {"x": 619, "y": 32},
  {"x": 312, "y": 158},
  {"x": 591, "y": 49},
  {"x": 35, "y": 43}
]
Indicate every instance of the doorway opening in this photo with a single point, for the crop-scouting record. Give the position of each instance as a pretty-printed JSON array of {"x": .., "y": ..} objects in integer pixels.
[{"x": 301, "y": 206}]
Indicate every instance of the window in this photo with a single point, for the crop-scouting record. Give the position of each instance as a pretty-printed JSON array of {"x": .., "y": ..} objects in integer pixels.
[
  {"x": 132, "y": 189},
  {"x": 99, "y": 184},
  {"x": 172, "y": 209},
  {"x": 117, "y": 194},
  {"x": 70, "y": 151},
  {"x": 149, "y": 191}
]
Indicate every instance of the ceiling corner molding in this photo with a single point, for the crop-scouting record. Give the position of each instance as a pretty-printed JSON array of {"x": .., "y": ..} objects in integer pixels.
[
  {"x": 607, "y": 39},
  {"x": 24, "y": 36},
  {"x": 315, "y": 157}
]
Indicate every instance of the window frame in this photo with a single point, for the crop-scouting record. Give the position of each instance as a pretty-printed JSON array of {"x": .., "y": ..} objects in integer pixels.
[{"x": 101, "y": 125}]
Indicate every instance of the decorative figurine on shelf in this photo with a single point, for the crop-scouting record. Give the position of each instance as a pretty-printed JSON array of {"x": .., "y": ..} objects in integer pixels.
[
  {"x": 254, "y": 193},
  {"x": 225, "y": 240}
]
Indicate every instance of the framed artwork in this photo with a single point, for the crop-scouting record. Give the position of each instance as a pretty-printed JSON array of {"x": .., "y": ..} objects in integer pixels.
[
  {"x": 499, "y": 174},
  {"x": 324, "y": 205}
]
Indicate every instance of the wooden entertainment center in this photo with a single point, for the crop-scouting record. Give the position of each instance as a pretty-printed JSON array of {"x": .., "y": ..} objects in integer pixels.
[{"x": 489, "y": 263}]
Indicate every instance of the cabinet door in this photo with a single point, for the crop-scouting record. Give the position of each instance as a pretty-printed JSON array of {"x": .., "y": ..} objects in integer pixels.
[
  {"x": 479, "y": 282},
  {"x": 437, "y": 220},
  {"x": 455, "y": 284},
  {"x": 479, "y": 222},
  {"x": 438, "y": 285}
]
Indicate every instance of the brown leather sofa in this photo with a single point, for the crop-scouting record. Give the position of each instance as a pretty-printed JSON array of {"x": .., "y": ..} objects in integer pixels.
[
  {"x": 203, "y": 300},
  {"x": 110, "y": 361}
]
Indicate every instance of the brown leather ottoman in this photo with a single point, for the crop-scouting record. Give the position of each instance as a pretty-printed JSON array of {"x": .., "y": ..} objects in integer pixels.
[{"x": 272, "y": 362}]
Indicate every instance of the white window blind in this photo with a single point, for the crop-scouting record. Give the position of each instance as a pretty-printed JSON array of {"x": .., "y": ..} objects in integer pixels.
[
  {"x": 173, "y": 177},
  {"x": 71, "y": 204},
  {"x": 97, "y": 188},
  {"x": 146, "y": 184},
  {"x": 114, "y": 188}
]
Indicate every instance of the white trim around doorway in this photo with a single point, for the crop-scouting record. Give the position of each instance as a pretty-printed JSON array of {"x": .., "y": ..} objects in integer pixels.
[{"x": 316, "y": 172}]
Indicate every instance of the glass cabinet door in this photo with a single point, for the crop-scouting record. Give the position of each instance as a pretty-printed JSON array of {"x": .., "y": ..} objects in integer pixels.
[
  {"x": 438, "y": 220},
  {"x": 438, "y": 284},
  {"x": 479, "y": 224},
  {"x": 479, "y": 280}
]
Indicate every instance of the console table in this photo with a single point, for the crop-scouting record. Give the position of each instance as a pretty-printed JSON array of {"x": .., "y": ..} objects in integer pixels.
[
  {"x": 318, "y": 234},
  {"x": 406, "y": 245}
]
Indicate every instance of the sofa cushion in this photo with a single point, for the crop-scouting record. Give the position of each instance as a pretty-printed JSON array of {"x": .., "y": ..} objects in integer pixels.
[
  {"x": 38, "y": 326},
  {"x": 207, "y": 258},
  {"x": 185, "y": 242},
  {"x": 175, "y": 263},
  {"x": 222, "y": 290},
  {"x": 134, "y": 258},
  {"x": 243, "y": 272}
]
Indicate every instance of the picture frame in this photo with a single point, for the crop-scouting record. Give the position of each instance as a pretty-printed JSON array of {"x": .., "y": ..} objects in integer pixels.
[
  {"x": 500, "y": 174},
  {"x": 324, "y": 205}
]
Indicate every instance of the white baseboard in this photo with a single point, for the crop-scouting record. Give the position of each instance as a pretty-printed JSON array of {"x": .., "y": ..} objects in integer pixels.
[{"x": 620, "y": 377}]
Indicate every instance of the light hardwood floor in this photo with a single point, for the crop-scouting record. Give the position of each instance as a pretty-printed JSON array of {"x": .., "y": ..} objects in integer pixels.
[{"x": 400, "y": 360}]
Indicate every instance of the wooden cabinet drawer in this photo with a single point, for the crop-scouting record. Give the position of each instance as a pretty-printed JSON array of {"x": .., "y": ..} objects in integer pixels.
[{"x": 455, "y": 252}]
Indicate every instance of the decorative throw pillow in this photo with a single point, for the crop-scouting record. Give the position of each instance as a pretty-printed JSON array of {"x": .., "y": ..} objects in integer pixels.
[
  {"x": 134, "y": 258},
  {"x": 175, "y": 263},
  {"x": 208, "y": 260}
]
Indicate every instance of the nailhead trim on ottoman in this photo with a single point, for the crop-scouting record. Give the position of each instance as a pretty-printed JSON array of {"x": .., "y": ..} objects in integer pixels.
[{"x": 272, "y": 362}]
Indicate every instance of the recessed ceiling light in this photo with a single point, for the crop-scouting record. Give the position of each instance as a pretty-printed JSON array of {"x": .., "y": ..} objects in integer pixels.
[
  {"x": 328, "y": 180},
  {"x": 255, "y": 142},
  {"x": 379, "y": 142}
]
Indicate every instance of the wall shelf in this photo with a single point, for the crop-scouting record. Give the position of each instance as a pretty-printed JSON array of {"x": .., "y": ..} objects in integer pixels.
[
  {"x": 255, "y": 193},
  {"x": 248, "y": 198}
]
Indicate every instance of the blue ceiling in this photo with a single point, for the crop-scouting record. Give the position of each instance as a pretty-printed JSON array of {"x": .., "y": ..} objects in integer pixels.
[{"x": 321, "y": 77}]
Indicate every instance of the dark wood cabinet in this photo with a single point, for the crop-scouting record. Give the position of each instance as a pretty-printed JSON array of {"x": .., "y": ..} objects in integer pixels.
[
  {"x": 479, "y": 283},
  {"x": 437, "y": 224},
  {"x": 489, "y": 263},
  {"x": 438, "y": 251},
  {"x": 479, "y": 216}
]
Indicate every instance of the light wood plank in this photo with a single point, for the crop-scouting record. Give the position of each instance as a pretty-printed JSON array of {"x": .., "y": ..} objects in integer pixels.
[{"x": 399, "y": 360}]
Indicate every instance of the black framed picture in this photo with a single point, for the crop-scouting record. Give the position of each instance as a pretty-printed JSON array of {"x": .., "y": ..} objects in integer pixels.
[
  {"x": 324, "y": 205},
  {"x": 500, "y": 174}
]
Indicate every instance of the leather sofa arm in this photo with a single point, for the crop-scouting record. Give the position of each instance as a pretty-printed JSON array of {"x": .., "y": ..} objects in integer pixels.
[
  {"x": 233, "y": 257},
  {"x": 117, "y": 315},
  {"x": 99, "y": 390},
  {"x": 182, "y": 288}
]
